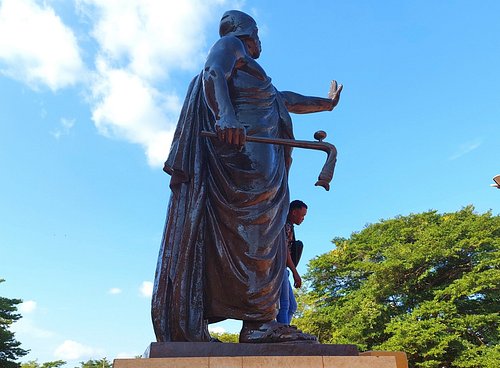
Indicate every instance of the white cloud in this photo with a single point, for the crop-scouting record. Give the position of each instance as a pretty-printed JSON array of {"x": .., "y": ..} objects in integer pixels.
[
  {"x": 27, "y": 307},
  {"x": 141, "y": 43},
  {"x": 36, "y": 47},
  {"x": 216, "y": 329},
  {"x": 146, "y": 289},
  {"x": 466, "y": 148},
  {"x": 72, "y": 350},
  {"x": 152, "y": 37},
  {"x": 125, "y": 355},
  {"x": 26, "y": 327},
  {"x": 115, "y": 291},
  {"x": 130, "y": 108}
]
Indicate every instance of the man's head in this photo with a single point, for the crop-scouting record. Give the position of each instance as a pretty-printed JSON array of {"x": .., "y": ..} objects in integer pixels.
[
  {"x": 297, "y": 212},
  {"x": 243, "y": 26}
]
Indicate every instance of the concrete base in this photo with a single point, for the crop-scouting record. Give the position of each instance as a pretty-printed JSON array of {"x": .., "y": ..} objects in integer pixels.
[
  {"x": 227, "y": 355},
  {"x": 261, "y": 362},
  {"x": 401, "y": 359}
]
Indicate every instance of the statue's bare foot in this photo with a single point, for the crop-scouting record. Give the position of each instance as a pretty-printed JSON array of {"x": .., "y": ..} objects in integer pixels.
[{"x": 274, "y": 332}]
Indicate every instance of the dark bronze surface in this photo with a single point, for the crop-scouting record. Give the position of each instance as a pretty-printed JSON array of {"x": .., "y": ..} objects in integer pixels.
[
  {"x": 223, "y": 249},
  {"x": 210, "y": 349},
  {"x": 326, "y": 175}
]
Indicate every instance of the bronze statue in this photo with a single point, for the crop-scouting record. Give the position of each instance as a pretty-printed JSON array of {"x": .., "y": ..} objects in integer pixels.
[{"x": 223, "y": 250}]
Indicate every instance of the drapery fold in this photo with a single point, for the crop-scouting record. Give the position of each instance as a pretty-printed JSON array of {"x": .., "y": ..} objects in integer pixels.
[{"x": 223, "y": 249}]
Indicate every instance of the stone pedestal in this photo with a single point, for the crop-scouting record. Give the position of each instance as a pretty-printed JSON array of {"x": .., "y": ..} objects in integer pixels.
[
  {"x": 213, "y": 349},
  {"x": 401, "y": 359},
  {"x": 262, "y": 362},
  {"x": 226, "y": 355}
]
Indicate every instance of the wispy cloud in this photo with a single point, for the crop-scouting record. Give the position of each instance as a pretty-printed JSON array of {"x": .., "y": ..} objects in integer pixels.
[
  {"x": 26, "y": 327},
  {"x": 64, "y": 128},
  {"x": 216, "y": 329},
  {"x": 128, "y": 107},
  {"x": 27, "y": 307},
  {"x": 146, "y": 289},
  {"x": 36, "y": 47},
  {"x": 115, "y": 291},
  {"x": 125, "y": 355},
  {"x": 159, "y": 36},
  {"x": 132, "y": 98},
  {"x": 72, "y": 350},
  {"x": 466, "y": 148}
]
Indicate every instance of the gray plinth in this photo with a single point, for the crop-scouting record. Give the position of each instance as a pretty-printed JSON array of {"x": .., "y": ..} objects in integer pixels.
[{"x": 212, "y": 349}]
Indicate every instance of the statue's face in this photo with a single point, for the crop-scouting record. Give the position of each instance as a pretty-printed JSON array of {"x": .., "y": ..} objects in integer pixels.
[{"x": 253, "y": 45}]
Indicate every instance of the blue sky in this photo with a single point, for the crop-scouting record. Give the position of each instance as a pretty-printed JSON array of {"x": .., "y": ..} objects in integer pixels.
[{"x": 90, "y": 91}]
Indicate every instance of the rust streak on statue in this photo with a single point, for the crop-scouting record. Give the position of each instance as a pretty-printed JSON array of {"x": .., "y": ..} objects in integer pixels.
[{"x": 223, "y": 249}]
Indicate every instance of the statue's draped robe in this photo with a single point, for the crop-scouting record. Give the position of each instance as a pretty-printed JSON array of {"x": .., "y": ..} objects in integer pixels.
[{"x": 223, "y": 249}]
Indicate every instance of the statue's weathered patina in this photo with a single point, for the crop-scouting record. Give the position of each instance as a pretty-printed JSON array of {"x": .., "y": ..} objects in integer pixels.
[{"x": 223, "y": 249}]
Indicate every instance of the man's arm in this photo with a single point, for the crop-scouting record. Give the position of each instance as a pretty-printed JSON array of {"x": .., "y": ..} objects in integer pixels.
[{"x": 297, "y": 281}]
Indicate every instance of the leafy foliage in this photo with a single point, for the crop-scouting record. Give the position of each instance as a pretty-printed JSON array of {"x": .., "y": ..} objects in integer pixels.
[
  {"x": 427, "y": 284},
  {"x": 101, "y": 363},
  {"x": 9, "y": 347},
  {"x": 35, "y": 364},
  {"x": 226, "y": 336}
]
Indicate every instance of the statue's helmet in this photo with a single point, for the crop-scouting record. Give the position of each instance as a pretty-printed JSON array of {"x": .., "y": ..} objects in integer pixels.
[{"x": 236, "y": 23}]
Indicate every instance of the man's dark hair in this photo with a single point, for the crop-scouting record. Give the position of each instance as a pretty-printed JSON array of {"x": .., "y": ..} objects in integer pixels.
[{"x": 296, "y": 204}]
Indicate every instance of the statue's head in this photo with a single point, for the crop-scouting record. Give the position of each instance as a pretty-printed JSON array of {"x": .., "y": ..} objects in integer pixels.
[
  {"x": 243, "y": 26},
  {"x": 237, "y": 23}
]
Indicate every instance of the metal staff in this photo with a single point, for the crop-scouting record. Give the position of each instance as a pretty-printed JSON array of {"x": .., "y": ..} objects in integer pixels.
[{"x": 326, "y": 174}]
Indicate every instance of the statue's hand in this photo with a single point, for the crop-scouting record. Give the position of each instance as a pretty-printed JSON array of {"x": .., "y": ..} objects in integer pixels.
[
  {"x": 230, "y": 132},
  {"x": 334, "y": 93}
]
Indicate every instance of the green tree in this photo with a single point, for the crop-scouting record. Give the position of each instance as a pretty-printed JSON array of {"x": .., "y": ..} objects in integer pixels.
[
  {"x": 226, "y": 336},
  {"x": 10, "y": 349},
  {"x": 427, "y": 284},
  {"x": 101, "y": 363},
  {"x": 35, "y": 364}
]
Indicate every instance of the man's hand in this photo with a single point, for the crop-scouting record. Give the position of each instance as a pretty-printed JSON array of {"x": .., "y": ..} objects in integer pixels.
[
  {"x": 231, "y": 132},
  {"x": 297, "y": 281},
  {"x": 334, "y": 93}
]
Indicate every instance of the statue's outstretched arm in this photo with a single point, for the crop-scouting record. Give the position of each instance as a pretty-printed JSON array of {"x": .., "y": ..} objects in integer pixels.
[{"x": 300, "y": 104}]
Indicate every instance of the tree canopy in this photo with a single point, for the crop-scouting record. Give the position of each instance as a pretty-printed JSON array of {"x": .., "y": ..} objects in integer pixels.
[
  {"x": 10, "y": 349},
  {"x": 225, "y": 336},
  {"x": 101, "y": 363},
  {"x": 91, "y": 363},
  {"x": 427, "y": 284},
  {"x": 35, "y": 364}
]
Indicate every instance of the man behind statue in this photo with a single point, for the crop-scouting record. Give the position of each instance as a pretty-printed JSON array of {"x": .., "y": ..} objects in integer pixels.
[
  {"x": 288, "y": 305},
  {"x": 223, "y": 250}
]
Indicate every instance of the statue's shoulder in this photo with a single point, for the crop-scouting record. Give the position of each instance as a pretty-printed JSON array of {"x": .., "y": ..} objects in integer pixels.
[{"x": 229, "y": 43}]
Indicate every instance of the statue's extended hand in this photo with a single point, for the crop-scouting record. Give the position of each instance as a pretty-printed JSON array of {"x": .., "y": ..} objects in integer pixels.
[
  {"x": 334, "y": 93},
  {"x": 231, "y": 132}
]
